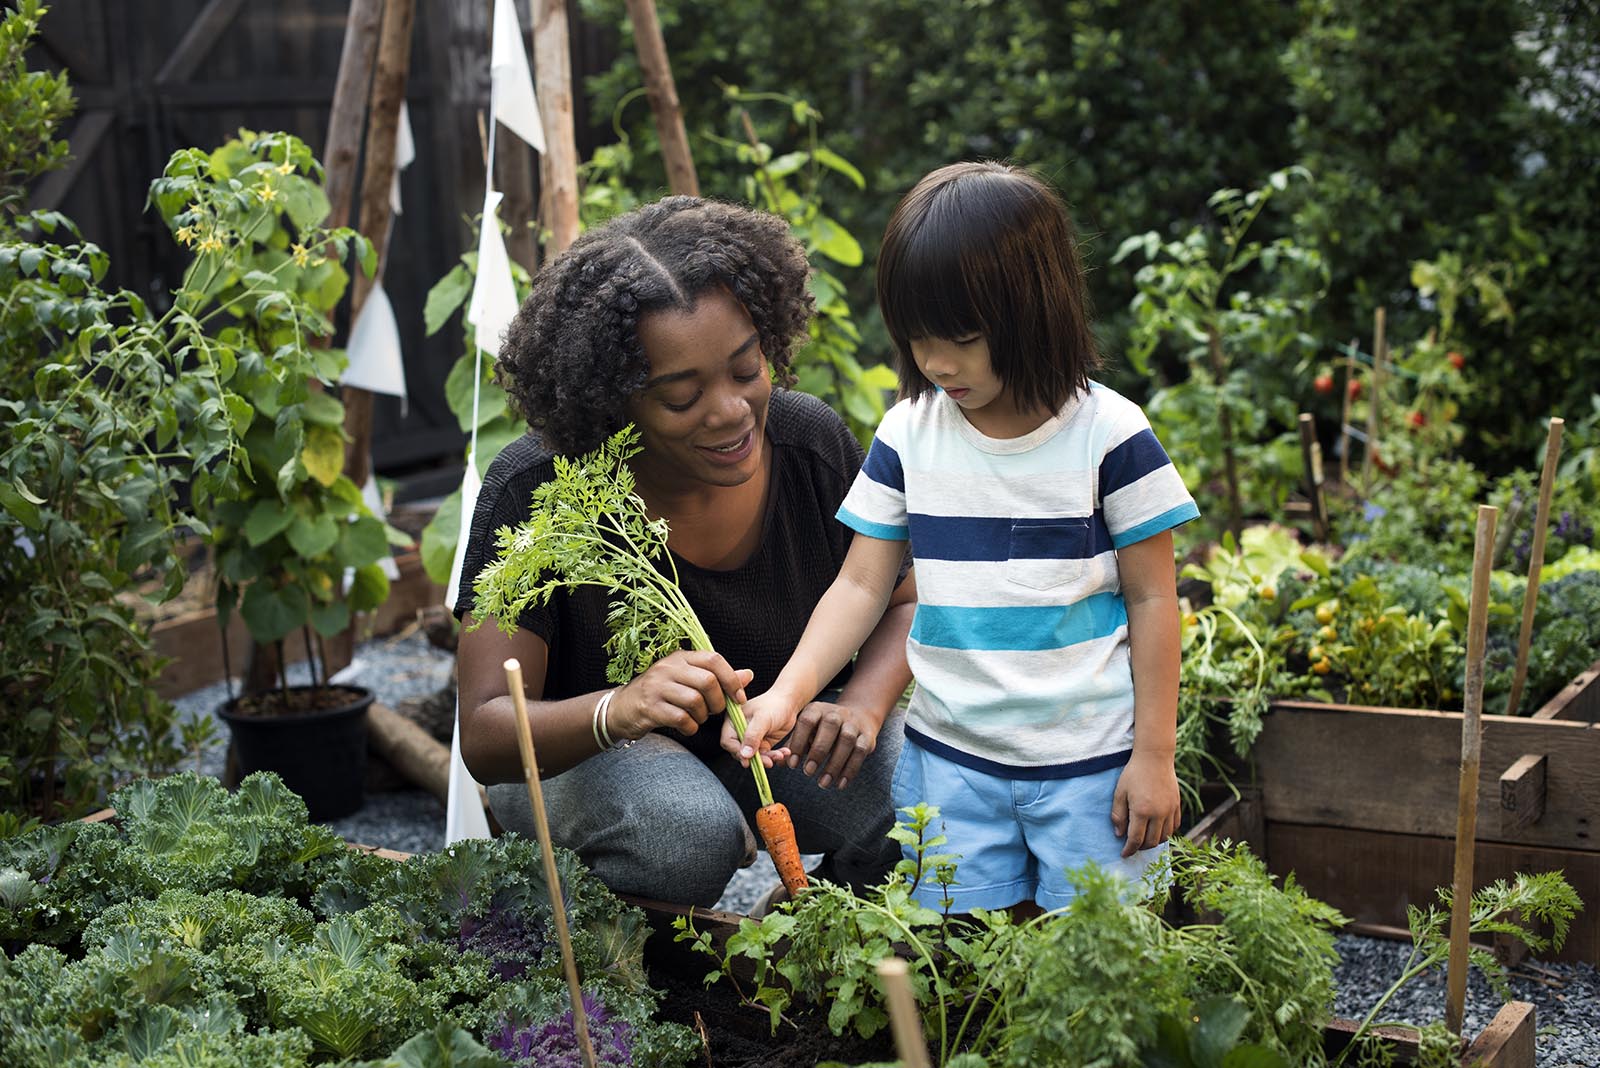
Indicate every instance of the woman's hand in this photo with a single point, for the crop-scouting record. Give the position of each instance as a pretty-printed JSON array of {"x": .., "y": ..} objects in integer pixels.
[
  {"x": 1146, "y": 806},
  {"x": 831, "y": 741},
  {"x": 678, "y": 691}
]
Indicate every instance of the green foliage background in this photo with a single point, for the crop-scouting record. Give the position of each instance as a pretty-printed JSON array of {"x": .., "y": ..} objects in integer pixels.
[{"x": 1469, "y": 127}]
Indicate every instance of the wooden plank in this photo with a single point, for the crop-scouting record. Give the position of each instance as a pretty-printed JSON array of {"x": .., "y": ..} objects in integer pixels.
[
  {"x": 1386, "y": 769},
  {"x": 198, "y": 41},
  {"x": 87, "y": 133},
  {"x": 1507, "y": 1042},
  {"x": 1579, "y": 700},
  {"x": 1371, "y": 876},
  {"x": 1522, "y": 787}
]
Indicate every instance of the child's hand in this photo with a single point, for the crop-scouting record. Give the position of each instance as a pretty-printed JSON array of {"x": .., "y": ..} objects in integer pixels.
[
  {"x": 1146, "y": 806},
  {"x": 768, "y": 719}
]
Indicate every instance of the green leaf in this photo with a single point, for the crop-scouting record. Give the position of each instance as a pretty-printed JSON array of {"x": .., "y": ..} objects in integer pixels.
[
  {"x": 835, "y": 162},
  {"x": 330, "y": 619},
  {"x": 362, "y": 542},
  {"x": 324, "y": 409},
  {"x": 1221, "y": 1020},
  {"x": 369, "y": 588},
  {"x": 835, "y": 242},
  {"x": 323, "y": 454},
  {"x": 311, "y": 536},
  {"x": 29, "y": 259},
  {"x": 787, "y": 164},
  {"x": 439, "y": 539},
  {"x": 139, "y": 543},
  {"x": 446, "y": 1046},
  {"x": 271, "y": 614},
  {"x": 445, "y": 297},
  {"x": 15, "y": 500},
  {"x": 267, "y": 519}
]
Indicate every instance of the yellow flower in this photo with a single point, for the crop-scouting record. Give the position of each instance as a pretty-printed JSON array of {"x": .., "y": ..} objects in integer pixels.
[
  {"x": 266, "y": 193},
  {"x": 285, "y": 167},
  {"x": 211, "y": 243},
  {"x": 185, "y": 234},
  {"x": 301, "y": 255}
]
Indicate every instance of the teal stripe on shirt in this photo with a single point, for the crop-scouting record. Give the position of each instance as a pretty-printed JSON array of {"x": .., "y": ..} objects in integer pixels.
[
  {"x": 1172, "y": 517},
  {"x": 1033, "y": 628},
  {"x": 872, "y": 530}
]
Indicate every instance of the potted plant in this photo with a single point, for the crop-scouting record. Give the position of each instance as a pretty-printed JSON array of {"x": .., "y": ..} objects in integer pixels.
[{"x": 297, "y": 552}]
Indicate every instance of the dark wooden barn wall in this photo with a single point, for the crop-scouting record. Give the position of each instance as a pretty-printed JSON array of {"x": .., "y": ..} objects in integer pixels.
[{"x": 153, "y": 76}]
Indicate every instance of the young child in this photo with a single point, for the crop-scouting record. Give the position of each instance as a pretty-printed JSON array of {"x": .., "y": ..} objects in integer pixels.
[{"x": 1039, "y": 507}]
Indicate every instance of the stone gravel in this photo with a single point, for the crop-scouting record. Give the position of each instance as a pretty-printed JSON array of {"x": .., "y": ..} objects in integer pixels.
[{"x": 1566, "y": 997}]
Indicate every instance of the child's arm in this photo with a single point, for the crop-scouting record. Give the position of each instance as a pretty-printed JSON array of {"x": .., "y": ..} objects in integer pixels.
[
  {"x": 1147, "y": 806},
  {"x": 840, "y": 623}
]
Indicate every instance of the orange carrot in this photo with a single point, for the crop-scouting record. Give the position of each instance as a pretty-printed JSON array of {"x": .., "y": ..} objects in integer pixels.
[{"x": 777, "y": 831}]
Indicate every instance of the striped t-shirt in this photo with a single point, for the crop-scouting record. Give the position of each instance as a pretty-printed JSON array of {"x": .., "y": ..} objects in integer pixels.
[{"x": 1020, "y": 641}]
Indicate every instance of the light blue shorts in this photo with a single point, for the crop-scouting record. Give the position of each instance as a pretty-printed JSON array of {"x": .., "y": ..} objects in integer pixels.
[{"x": 1016, "y": 838}]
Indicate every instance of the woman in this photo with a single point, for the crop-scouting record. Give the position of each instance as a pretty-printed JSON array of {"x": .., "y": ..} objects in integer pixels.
[{"x": 677, "y": 318}]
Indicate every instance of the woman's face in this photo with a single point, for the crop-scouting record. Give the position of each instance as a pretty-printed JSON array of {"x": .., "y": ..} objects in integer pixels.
[{"x": 702, "y": 414}]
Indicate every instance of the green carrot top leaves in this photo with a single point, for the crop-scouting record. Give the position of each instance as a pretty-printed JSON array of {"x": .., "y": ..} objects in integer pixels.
[{"x": 589, "y": 527}]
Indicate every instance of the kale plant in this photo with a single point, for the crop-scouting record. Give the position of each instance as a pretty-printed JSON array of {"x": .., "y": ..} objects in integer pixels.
[{"x": 554, "y": 1043}]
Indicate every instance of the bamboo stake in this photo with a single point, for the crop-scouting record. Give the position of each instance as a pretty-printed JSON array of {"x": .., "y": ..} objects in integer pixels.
[
  {"x": 1219, "y": 371},
  {"x": 663, "y": 92},
  {"x": 530, "y": 775},
  {"x": 1311, "y": 459},
  {"x": 903, "y": 1013},
  {"x": 558, "y": 166},
  {"x": 1471, "y": 752},
  {"x": 349, "y": 112},
  {"x": 1344, "y": 411},
  {"x": 1380, "y": 349},
  {"x": 1530, "y": 599}
]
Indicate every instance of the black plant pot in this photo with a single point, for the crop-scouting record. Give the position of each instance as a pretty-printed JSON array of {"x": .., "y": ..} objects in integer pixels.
[{"x": 320, "y": 755}]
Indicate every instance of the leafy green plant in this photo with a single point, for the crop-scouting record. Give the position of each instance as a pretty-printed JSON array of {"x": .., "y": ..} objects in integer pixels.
[
  {"x": 285, "y": 539},
  {"x": 1236, "y": 309},
  {"x": 32, "y": 105}
]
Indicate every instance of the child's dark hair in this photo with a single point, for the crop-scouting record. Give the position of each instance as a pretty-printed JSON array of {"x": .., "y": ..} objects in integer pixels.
[
  {"x": 571, "y": 357},
  {"x": 989, "y": 248}
]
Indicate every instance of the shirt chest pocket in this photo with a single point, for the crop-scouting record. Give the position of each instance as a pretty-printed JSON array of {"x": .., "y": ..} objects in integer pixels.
[{"x": 1047, "y": 553}]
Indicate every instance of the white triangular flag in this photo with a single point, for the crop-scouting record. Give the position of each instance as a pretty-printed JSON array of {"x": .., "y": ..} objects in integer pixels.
[
  {"x": 511, "y": 86},
  {"x": 494, "y": 294},
  {"x": 469, "y": 503},
  {"x": 374, "y": 357},
  {"x": 374, "y": 501},
  {"x": 463, "y": 810},
  {"x": 405, "y": 152}
]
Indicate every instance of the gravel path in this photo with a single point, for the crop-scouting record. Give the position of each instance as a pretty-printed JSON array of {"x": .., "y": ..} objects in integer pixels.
[{"x": 1566, "y": 996}]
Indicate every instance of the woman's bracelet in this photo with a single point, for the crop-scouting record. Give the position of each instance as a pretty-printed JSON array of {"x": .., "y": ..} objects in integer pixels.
[{"x": 601, "y": 725}]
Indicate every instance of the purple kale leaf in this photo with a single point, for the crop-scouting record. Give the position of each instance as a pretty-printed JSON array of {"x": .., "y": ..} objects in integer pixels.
[
  {"x": 512, "y": 944},
  {"x": 554, "y": 1043}
]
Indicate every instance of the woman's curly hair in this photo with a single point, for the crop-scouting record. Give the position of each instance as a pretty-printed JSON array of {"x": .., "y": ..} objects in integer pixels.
[{"x": 572, "y": 357}]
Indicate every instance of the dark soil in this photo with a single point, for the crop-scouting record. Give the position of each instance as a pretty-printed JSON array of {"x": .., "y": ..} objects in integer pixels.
[
  {"x": 296, "y": 701},
  {"x": 741, "y": 1036}
]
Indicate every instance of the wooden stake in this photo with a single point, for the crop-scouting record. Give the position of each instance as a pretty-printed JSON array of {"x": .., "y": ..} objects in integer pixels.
[
  {"x": 903, "y": 1017},
  {"x": 1380, "y": 350},
  {"x": 1230, "y": 469},
  {"x": 1311, "y": 458},
  {"x": 348, "y": 116},
  {"x": 663, "y": 92},
  {"x": 559, "y": 165},
  {"x": 1530, "y": 599},
  {"x": 1471, "y": 750},
  {"x": 1344, "y": 411},
  {"x": 530, "y": 775}
]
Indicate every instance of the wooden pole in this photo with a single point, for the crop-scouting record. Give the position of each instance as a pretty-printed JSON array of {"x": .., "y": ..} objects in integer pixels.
[
  {"x": 1471, "y": 752},
  {"x": 1530, "y": 598},
  {"x": 377, "y": 179},
  {"x": 530, "y": 775},
  {"x": 349, "y": 112},
  {"x": 1344, "y": 411},
  {"x": 1311, "y": 458},
  {"x": 663, "y": 93},
  {"x": 1380, "y": 349},
  {"x": 1219, "y": 371},
  {"x": 558, "y": 167},
  {"x": 903, "y": 1018}
]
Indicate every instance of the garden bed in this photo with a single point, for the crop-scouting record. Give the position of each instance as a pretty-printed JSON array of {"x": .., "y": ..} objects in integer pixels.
[
  {"x": 739, "y": 1036},
  {"x": 1360, "y": 803}
]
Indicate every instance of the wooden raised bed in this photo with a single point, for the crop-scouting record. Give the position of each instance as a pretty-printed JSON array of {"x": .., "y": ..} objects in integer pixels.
[
  {"x": 1360, "y": 803},
  {"x": 193, "y": 642},
  {"x": 1508, "y": 1041}
]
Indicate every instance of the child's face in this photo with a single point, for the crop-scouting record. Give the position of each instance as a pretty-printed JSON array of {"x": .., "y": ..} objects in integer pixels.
[{"x": 962, "y": 369}]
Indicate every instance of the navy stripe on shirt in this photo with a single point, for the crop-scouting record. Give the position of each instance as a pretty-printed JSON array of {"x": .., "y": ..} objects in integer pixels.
[
  {"x": 998, "y": 538},
  {"x": 883, "y": 466},
  {"x": 1131, "y": 461}
]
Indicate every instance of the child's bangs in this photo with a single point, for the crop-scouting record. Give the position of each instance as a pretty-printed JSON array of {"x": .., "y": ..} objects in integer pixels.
[{"x": 925, "y": 293}]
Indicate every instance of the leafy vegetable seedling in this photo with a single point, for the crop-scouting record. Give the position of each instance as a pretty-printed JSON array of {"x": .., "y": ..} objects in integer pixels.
[{"x": 589, "y": 528}]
